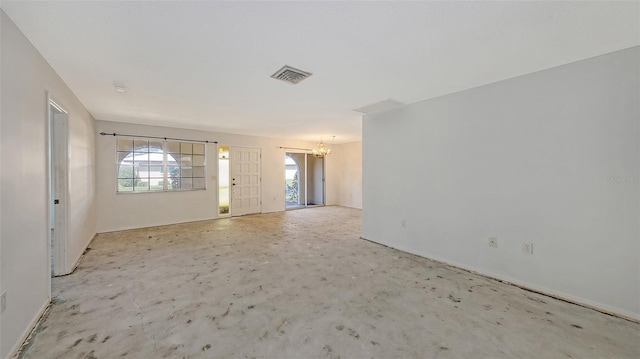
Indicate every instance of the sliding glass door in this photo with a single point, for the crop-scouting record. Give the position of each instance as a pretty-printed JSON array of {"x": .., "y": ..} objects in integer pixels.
[{"x": 304, "y": 180}]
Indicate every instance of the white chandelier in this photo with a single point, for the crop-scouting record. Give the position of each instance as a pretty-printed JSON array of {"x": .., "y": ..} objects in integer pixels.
[{"x": 320, "y": 150}]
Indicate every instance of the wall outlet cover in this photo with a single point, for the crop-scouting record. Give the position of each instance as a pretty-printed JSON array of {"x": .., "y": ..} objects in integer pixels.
[{"x": 527, "y": 248}]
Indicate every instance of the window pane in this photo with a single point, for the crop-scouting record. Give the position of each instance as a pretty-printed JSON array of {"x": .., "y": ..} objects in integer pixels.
[
  {"x": 174, "y": 183},
  {"x": 198, "y": 160},
  {"x": 223, "y": 179},
  {"x": 125, "y": 172},
  {"x": 156, "y": 184},
  {"x": 173, "y": 159},
  {"x": 186, "y": 148},
  {"x": 173, "y": 171},
  {"x": 142, "y": 185},
  {"x": 186, "y": 172},
  {"x": 141, "y": 145},
  {"x": 198, "y": 149},
  {"x": 155, "y": 146},
  {"x": 198, "y": 183},
  {"x": 186, "y": 183},
  {"x": 173, "y": 147},
  {"x": 125, "y": 185},
  {"x": 223, "y": 153},
  {"x": 156, "y": 159},
  {"x": 141, "y": 158},
  {"x": 143, "y": 172},
  {"x": 126, "y": 157},
  {"x": 185, "y": 160},
  {"x": 124, "y": 144},
  {"x": 198, "y": 171}
]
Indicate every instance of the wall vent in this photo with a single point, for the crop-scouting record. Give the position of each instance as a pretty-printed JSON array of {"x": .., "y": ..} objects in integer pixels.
[{"x": 290, "y": 74}]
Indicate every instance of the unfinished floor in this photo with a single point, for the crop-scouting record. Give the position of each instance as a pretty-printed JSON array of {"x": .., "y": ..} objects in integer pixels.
[{"x": 301, "y": 284}]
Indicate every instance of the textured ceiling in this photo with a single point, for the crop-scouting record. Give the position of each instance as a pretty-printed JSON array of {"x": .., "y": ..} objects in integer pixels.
[{"x": 207, "y": 65}]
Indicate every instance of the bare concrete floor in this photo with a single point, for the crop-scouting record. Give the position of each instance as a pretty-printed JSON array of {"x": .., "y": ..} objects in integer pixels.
[{"x": 302, "y": 284}]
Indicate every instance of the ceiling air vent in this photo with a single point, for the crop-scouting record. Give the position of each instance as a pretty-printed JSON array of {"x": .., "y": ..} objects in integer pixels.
[{"x": 290, "y": 75}]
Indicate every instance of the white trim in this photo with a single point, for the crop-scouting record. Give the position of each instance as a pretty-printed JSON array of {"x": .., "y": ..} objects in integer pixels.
[
  {"x": 32, "y": 325},
  {"x": 49, "y": 189},
  {"x": 76, "y": 262},
  {"x": 123, "y": 229},
  {"x": 55, "y": 105},
  {"x": 306, "y": 180}
]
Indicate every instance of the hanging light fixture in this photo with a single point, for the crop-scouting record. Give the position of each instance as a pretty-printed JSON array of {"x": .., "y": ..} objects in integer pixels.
[{"x": 320, "y": 150}]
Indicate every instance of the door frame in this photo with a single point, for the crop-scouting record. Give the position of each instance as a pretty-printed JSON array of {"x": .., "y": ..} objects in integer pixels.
[{"x": 58, "y": 176}]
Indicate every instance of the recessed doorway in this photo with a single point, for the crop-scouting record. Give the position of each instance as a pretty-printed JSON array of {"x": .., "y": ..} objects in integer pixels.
[{"x": 304, "y": 180}]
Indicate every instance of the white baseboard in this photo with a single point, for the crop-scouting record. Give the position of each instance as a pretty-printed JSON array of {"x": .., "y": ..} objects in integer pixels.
[
  {"x": 25, "y": 335},
  {"x": 603, "y": 308},
  {"x": 76, "y": 263}
]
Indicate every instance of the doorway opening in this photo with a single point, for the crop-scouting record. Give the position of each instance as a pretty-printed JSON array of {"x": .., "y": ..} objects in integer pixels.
[
  {"x": 223, "y": 181},
  {"x": 58, "y": 187},
  {"x": 304, "y": 180},
  {"x": 292, "y": 182}
]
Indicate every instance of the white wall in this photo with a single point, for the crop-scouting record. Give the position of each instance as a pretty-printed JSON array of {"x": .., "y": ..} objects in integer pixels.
[
  {"x": 315, "y": 169},
  {"x": 550, "y": 158},
  {"x": 344, "y": 168},
  {"x": 25, "y": 273},
  {"x": 2, "y": 355},
  {"x": 126, "y": 211}
]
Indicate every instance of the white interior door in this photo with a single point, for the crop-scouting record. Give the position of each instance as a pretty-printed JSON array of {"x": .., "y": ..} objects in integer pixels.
[
  {"x": 245, "y": 180},
  {"x": 59, "y": 147}
]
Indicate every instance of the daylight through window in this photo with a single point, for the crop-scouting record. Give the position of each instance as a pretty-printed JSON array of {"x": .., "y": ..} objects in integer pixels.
[{"x": 156, "y": 165}]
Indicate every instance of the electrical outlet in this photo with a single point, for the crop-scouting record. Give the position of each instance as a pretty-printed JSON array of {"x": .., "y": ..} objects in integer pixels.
[
  {"x": 3, "y": 302},
  {"x": 493, "y": 242},
  {"x": 527, "y": 248},
  {"x": 404, "y": 223}
]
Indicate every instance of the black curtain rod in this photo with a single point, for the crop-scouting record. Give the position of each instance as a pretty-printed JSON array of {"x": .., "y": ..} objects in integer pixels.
[
  {"x": 156, "y": 137},
  {"x": 294, "y": 148}
]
